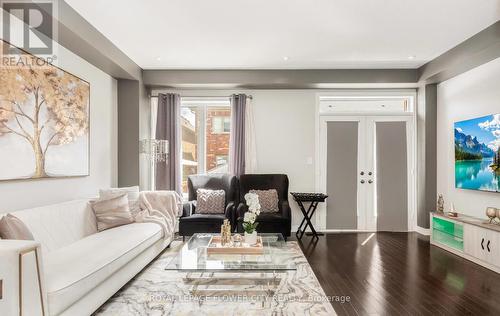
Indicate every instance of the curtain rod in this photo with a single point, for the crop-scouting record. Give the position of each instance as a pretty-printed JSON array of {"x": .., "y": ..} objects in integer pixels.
[{"x": 206, "y": 96}]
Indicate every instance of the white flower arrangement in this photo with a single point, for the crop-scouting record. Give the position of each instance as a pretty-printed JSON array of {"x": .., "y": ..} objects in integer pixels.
[{"x": 249, "y": 224}]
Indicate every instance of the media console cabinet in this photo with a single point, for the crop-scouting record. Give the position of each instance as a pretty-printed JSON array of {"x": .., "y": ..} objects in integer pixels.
[{"x": 469, "y": 237}]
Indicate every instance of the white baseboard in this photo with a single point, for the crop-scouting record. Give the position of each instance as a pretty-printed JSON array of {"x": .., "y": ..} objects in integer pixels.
[{"x": 423, "y": 231}]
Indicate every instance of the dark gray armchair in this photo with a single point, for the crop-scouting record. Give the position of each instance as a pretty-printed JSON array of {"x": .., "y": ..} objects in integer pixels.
[
  {"x": 191, "y": 222},
  {"x": 279, "y": 222}
]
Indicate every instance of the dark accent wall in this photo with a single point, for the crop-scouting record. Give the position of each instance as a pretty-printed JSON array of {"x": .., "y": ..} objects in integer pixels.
[
  {"x": 128, "y": 133},
  {"x": 427, "y": 159},
  {"x": 275, "y": 79},
  {"x": 475, "y": 51}
]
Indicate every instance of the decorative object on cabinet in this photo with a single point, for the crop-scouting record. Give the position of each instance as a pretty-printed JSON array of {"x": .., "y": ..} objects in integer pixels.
[
  {"x": 440, "y": 204},
  {"x": 453, "y": 212},
  {"x": 491, "y": 212}
]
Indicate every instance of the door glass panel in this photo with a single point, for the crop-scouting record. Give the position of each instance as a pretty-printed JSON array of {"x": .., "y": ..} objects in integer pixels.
[
  {"x": 391, "y": 176},
  {"x": 342, "y": 175}
]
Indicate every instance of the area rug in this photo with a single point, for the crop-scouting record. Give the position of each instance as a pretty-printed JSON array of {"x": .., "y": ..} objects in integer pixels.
[{"x": 155, "y": 291}]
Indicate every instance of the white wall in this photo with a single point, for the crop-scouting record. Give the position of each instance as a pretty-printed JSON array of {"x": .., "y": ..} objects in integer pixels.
[
  {"x": 285, "y": 136},
  {"x": 16, "y": 195},
  {"x": 469, "y": 95}
]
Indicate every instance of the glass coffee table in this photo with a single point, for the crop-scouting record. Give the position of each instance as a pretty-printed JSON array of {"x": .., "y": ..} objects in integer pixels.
[{"x": 233, "y": 274}]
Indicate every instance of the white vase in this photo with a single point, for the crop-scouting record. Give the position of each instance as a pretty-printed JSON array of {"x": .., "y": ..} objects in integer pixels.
[{"x": 251, "y": 239}]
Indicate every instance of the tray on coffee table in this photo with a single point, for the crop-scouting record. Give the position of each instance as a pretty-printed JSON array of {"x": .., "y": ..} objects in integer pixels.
[{"x": 234, "y": 248}]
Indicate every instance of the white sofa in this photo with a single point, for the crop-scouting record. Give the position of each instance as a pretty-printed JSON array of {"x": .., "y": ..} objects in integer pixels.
[{"x": 80, "y": 268}]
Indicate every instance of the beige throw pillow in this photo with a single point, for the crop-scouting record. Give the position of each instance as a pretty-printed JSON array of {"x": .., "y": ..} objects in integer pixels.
[
  {"x": 112, "y": 212},
  {"x": 12, "y": 227},
  {"x": 268, "y": 200},
  {"x": 132, "y": 194},
  {"x": 210, "y": 201}
]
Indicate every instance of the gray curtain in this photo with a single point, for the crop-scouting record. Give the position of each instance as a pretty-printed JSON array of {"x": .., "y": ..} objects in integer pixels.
[
  {"x": 168, "y": 175},
  {"x": 237, "y": 143}
]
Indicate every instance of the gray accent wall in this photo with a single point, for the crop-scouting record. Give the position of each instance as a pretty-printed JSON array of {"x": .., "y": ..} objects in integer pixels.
[
  {"x": 134, "y": 118},
  {"x": 475, "y": 51},
  {"x": 426, "y": 153},
  {"x": 430, "y": 154},
  {"x": 128, "y": 133},
  {"x": 82, "y": 38},
  {"x": 275, "y": 79}
]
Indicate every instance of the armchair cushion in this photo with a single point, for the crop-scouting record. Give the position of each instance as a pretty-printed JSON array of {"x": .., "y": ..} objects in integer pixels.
[
  {"x": 210, "y": 201},
  {"x": 268, "y": 200}
]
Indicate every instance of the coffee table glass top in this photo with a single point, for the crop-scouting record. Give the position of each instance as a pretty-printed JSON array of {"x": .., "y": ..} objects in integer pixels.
[{"x": 193, "y": 256}]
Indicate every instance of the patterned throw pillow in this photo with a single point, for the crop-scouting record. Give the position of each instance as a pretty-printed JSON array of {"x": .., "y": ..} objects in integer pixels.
[
  {"x": 112, "y": 212},
  {"x": 210, "y": 201},
  {"x": 268, "y": 200}
]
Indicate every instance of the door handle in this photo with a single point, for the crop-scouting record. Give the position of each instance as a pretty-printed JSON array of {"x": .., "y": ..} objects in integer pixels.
[
  {"x": 482, "y": 243},
  {"x": 488, "y": 245},
  {"x": 370, "y": 181},
  {"x": 362, "y": 173},
  {"x": 370, "y": 173},
  {"x": 362, "y": 181}
]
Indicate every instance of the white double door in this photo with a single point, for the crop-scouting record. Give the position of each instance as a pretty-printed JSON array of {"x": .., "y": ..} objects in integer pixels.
[{"x": 366, "y": 165}]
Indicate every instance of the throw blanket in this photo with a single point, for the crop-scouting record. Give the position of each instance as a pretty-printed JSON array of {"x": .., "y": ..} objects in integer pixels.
[{"x": 160, "y": 207}]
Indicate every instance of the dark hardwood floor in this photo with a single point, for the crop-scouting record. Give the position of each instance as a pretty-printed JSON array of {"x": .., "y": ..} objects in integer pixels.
[{"x": 400, "y": 274}]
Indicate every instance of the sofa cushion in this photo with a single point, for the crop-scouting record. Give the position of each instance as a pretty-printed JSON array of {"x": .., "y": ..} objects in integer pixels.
[
  {"x": 58, "y": 225},
  {"x": 74, "y": 270}
]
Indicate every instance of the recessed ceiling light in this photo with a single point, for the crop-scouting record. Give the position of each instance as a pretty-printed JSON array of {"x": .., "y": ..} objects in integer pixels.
[
  {"x": 285, "y": 58},
  {"x": 412, "y": 57},
  {"x": 158, "y": 58}
]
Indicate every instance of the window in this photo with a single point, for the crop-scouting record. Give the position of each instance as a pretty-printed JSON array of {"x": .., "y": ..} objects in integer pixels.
[
  {"x": 205, "y": 126},
  {"x": 221, "y": 124}
]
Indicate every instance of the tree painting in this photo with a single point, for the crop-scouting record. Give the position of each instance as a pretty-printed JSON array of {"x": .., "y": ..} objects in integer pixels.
[{"x": 45, "y": 107}]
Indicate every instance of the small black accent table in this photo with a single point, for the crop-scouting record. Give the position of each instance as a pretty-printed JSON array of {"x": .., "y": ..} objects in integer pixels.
[{"x": 314, "y": 199}]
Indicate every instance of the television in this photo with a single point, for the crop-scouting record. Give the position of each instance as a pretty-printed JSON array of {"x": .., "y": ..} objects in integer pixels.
[{"x": 477, "y": 154}]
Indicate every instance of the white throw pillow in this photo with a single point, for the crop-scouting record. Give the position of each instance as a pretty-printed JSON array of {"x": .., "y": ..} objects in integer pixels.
[
  {"x": 112, "y": 212},
  {"x": 132, "y": 195}
]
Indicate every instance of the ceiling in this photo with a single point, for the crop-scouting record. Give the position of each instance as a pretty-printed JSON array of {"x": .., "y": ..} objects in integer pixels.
[{"x": 287, "y": 34}]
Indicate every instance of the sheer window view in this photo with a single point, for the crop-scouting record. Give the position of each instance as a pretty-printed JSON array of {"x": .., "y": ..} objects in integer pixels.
[{"x": 205, "y": 139}]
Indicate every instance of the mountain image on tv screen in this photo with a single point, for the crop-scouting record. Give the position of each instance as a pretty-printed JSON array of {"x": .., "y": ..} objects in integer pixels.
[{"x": 477, "y": 153}]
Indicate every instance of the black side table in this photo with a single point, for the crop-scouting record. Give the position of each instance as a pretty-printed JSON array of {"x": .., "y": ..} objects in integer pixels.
[{"x": 314, "y": 199}]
